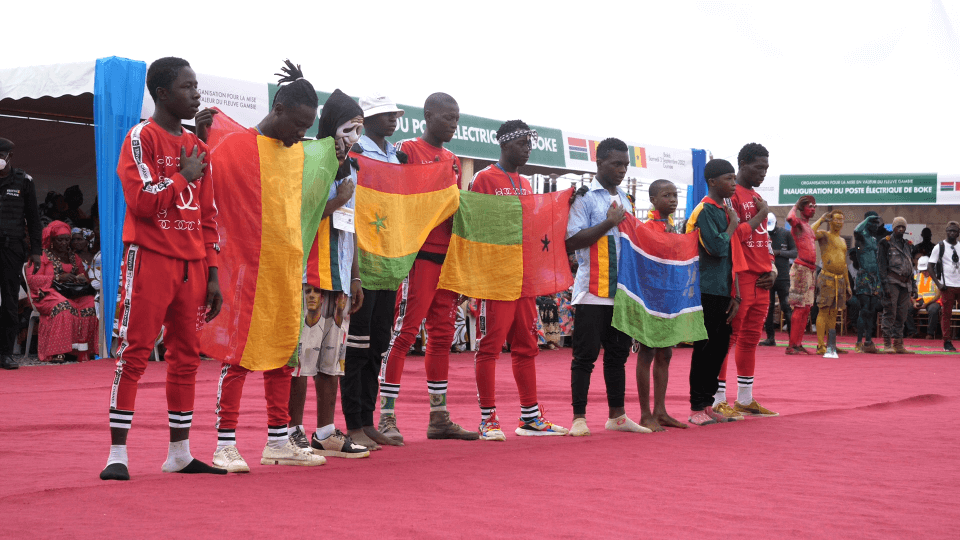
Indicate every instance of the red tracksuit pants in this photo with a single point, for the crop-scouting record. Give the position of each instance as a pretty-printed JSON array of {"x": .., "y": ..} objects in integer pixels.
[
  {"x": 276, "y": 390},
  {"x": 158, "y": 290},
  {"x": 515, "y": 322},
  {"x": 419, "y": 298},
  {"x": 747, "y": 326}
]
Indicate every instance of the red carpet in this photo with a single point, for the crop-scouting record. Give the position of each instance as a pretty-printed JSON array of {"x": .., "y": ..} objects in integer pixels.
[{"x": 866, "y": 447}]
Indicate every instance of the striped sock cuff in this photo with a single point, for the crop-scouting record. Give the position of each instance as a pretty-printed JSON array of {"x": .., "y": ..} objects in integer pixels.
[
  {"x": 180, "y": 419},
  {"x": 722, "y": 386},
  {"x": 120, "y": 419},
  {"x": 277, "y": 433},
  {"x": 487, "y": 412},
  {"x": 358, "y": 342},
  {"x": 390, "y": 390},
  {"x": 436, "y": 387},
  {"x": 531, "y": 413},
  {"x": 226, "y": 437},
  {"x": 744, "y": 381}
]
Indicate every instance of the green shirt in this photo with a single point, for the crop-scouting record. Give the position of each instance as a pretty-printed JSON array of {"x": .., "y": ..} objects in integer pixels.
[{"x": 716, "y": 266}]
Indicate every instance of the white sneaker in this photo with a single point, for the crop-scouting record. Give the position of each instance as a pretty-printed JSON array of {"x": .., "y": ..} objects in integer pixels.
[
  {"x": 290, "y": 454},
  {"x": 622, "y": 423},
  {"x": 228, "y": 457},
  {"x": 579, "y": 428}
]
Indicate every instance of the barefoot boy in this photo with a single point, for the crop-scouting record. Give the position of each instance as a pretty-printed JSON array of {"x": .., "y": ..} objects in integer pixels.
[{"x": 663, "y": 195}]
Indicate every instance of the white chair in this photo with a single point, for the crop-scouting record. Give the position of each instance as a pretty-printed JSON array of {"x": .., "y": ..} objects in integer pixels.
[{"x": 35, "y": 315}]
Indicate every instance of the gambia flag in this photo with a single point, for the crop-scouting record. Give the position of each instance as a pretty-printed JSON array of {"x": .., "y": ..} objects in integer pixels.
[
  {"x": 508, "y": 247},
  {"x": 396, "y": 208},
  {"x": 270, "y": 199},
  {"x": 658, "y": 286}
]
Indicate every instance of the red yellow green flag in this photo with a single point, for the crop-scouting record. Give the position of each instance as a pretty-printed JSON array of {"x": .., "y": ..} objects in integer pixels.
[
  {"x": 396, "y": 208},
  {"x": 504, "y": 248},
  {"x": 270, "y": 200}
]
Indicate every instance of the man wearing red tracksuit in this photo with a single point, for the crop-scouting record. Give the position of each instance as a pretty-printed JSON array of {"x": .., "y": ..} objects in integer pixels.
[
  {"x": 514, "y": 320},
  {"x": 418, "y": 296},
  {"x": 755, "y": 283},
  {"x": 169, "y": 272}
]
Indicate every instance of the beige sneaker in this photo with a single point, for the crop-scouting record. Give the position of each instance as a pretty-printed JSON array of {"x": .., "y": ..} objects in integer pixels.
[
  {"x": 725, "y": 410},
  {"x": 441, "y": 427},
  {"x": 622, "y": 423},
  {"x": 753, "y": 409},
  {"x": 228, "y": 457},
  {"x": 290, "y": 454},
  {"x": 579, "y": 428},
  {"x": 338, "y": 445}
]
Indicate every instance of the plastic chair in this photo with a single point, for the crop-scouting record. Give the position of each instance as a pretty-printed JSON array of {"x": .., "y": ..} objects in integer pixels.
[{"x": 34, "y": 315}]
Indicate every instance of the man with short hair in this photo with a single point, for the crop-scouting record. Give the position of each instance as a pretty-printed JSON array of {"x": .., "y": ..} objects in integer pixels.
[
  {"x": 896, "y": 266},
  {"x": 946, "y": 276},
  {"x": 18, "y": 205},
  {"x": 369, "y": 334},
  {"x": 592, "y": 232},
  {"x": 784, "y": 249},
  {"x": 802, "y": 279},
  {"x": 928, "y": 297},
  {"x": 752, "y": 163},
  {"x": 419, "y": 298},
  {"x": 514, "y": 318},
  {"x": 832, "y": 280}
]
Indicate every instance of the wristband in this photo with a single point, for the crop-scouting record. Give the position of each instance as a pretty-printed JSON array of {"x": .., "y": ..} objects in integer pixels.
[{"x": 356, "y": 279}]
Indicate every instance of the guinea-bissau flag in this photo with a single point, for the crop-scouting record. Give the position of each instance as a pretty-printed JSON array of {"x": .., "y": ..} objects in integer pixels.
[
  {"x": 270, "y": 199},
  {"x": 396, "y": 208},
  {"x": 508, "y": 247},
  {"x": 323, "y": 262},
  {"x": 657, "y": 300}
]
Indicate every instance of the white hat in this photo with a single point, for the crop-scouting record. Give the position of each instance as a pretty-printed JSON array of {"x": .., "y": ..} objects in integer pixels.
[
  {"x": 376, "y": 103},
  {"x": 922, "y": 264},
  {"x": 771, "y": 221}
]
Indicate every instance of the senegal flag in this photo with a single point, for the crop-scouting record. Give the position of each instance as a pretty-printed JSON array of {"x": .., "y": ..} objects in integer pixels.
[
  {"x": 396, "y": 208},
  {"x": 270, "y": 200},
  {"x": 658, "y": 286},
  {"x": 507, "y": 247}
]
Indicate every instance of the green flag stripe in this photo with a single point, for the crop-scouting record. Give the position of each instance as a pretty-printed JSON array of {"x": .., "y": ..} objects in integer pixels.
[
  {"x": 384, "y": 273},
  {"x": 489, "y": 219},
  {"x": 632, "y": 319}
]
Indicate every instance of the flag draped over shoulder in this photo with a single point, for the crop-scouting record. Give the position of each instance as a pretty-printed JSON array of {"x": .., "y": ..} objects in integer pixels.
[
  {"x": 508, "y": 247},
  {"x": 658, "y": 286},
  {"x": 270, "y": 199},
  {"x": 396, "y": 208}
]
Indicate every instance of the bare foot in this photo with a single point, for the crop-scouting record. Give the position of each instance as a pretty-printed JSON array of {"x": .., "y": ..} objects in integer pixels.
[
  {"x": 666, "y": 420},
  {"x": 379, "y": 438},
  {"x": 651, "y": 424},
  {"x": 361, "y": 438}
]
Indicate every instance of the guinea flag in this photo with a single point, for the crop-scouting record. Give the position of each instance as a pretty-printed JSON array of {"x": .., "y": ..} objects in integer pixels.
[
  {"x": 270, "y": 199},
  {"x": 396, "y": 208},
  {"x": 657, "y": 300},
  {"x": 508, "y": 247}
]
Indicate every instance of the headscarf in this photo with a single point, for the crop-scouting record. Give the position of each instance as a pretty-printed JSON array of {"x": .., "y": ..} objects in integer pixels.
[
  {"x": 54, "y": 229},
  {"x": 87, "y": 235}
]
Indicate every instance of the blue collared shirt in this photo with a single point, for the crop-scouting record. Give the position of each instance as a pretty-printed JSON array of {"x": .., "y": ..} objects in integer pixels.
[
  {"x": 372, "y": 151},
  {"x": 585, "y": 212}
]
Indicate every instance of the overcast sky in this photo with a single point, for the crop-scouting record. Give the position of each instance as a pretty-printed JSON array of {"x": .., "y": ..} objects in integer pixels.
[{"x": 826, "y": 86}]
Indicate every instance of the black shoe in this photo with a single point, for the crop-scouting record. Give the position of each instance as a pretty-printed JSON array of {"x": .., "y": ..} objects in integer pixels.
[
  {"x": 769, "y": 342},
  {"x": 947, "y": 346},
  {"x": 7, "y": 362}
]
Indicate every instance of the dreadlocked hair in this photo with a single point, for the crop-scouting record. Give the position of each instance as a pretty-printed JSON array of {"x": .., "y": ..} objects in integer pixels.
[
  {"x": 510, "y": 126},
  {"x": 294, "y": 89},
  {"x": 750, "y": 152},
  {"x": 163, "y": 72}
]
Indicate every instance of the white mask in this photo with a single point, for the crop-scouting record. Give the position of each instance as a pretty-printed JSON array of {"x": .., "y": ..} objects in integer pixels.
[
  {"x": 3, "y": 164},
  {"x": 349, "y": 132}
]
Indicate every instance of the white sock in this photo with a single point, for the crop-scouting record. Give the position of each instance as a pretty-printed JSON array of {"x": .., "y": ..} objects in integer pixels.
[
  {"x": 277, "y": 436},
  {"x": 325, "y": 431},
  {"x": 721, "y": 394},
  {"x": 118, "y": 454},
  {"x": 744, "y": 390},
  {"x": 178, "y": 456}
]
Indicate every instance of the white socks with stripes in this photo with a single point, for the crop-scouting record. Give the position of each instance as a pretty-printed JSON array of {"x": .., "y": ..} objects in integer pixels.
[
  {"x": 745, "y": 390},
  {"x": 277, "y": 436},
  {"x": 721, "y": 394},
  {"x": 530, "y": 413},
  {"x": 438, "y": 395},
  {"x": 486, "y": 413}
]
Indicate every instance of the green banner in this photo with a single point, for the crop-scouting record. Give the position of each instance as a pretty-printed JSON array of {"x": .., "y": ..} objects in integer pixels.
[
  {"x": 475, "y": 136},
  {"x": 917, "y": 188}
]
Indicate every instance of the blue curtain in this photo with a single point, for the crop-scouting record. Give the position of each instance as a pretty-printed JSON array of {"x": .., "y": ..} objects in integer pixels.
[
  {"x": 699, "y": 187},
  {"x": 117, "y": 100}
]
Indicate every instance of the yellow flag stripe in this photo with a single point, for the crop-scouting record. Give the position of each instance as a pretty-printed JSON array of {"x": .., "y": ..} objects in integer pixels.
[
  {"x": 275, "y": 324},
  {"x": 392, "y": 225},
  {"x": 501, "y": 264}
]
